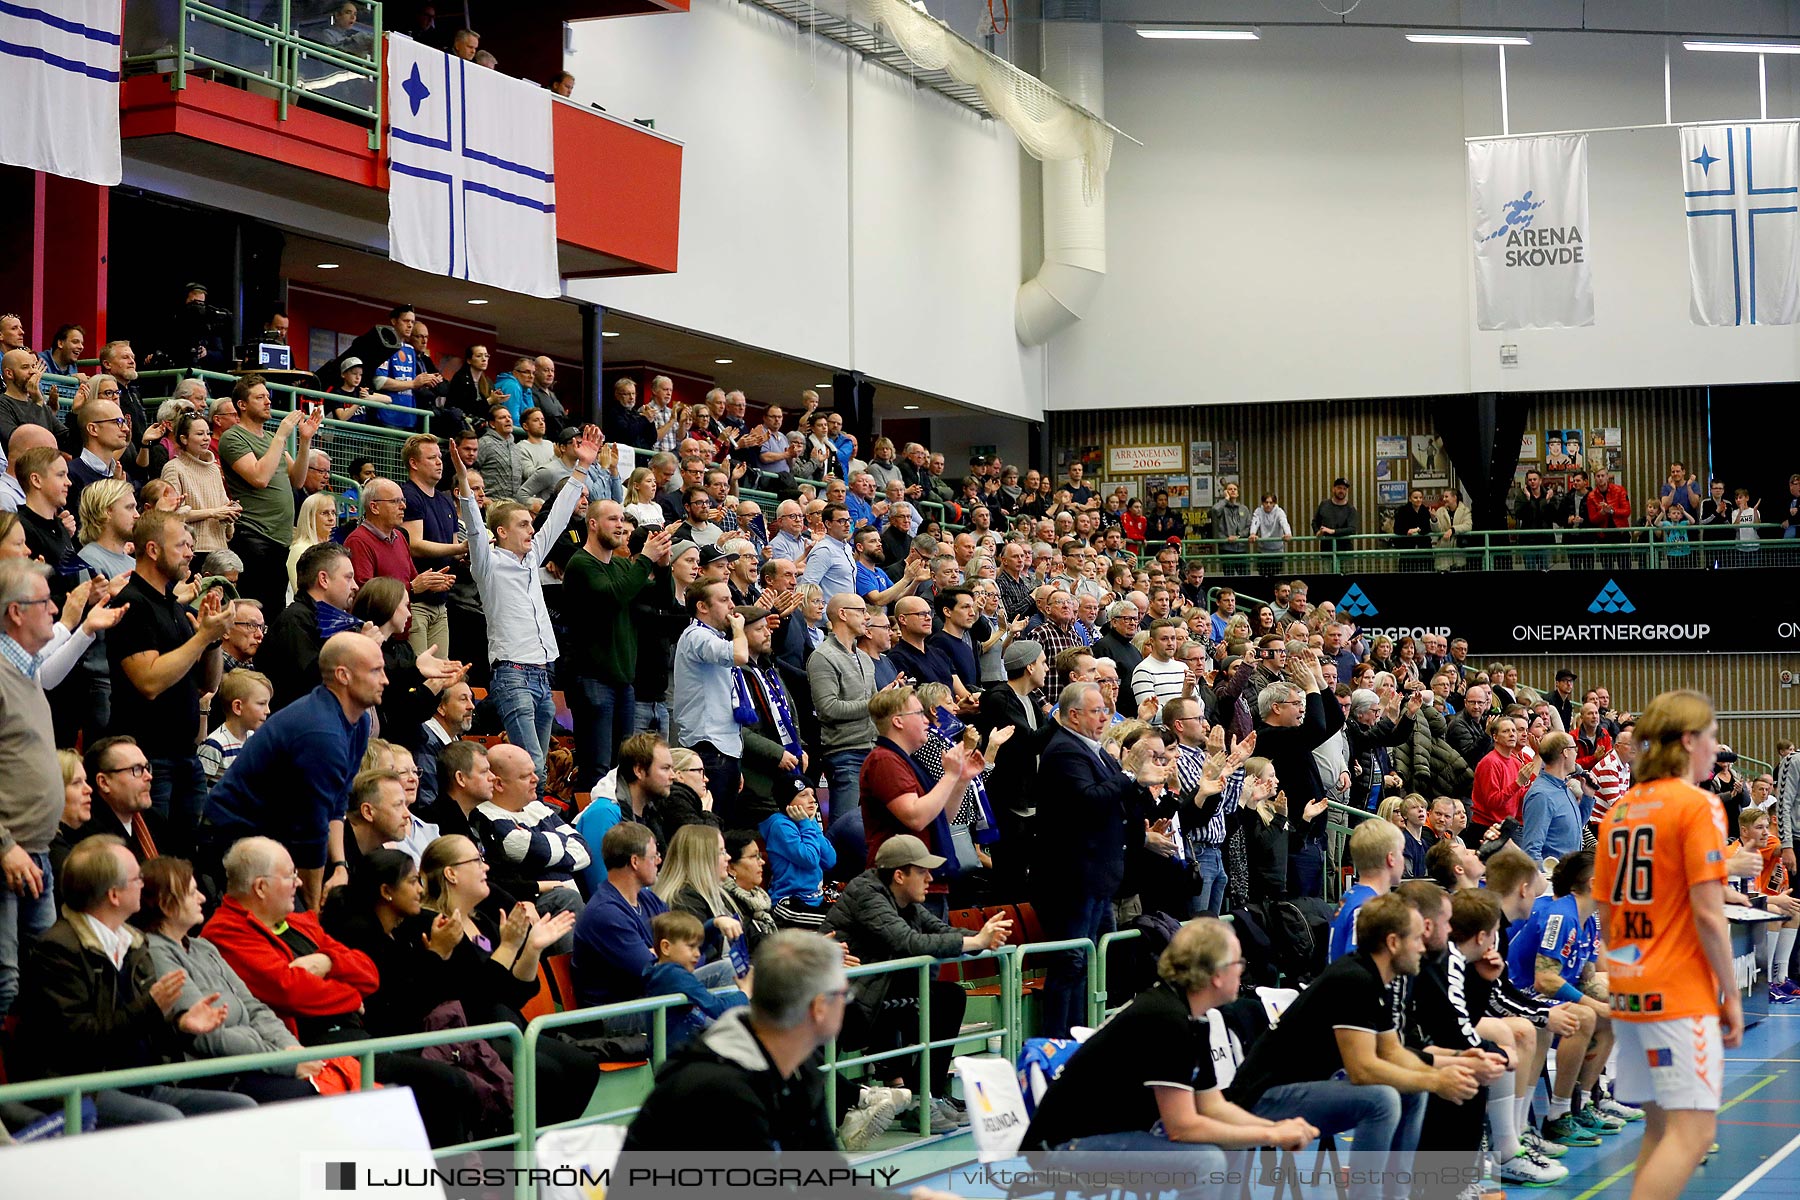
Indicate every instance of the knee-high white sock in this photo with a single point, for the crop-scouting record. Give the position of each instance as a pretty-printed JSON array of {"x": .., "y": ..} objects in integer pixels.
[
  {"x": 1784, "y": 947},
  {"x": 1502, "y": 1112}
]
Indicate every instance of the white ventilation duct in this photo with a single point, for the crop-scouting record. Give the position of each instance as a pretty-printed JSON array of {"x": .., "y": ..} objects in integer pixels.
[{"x": 1074, "y": 223}]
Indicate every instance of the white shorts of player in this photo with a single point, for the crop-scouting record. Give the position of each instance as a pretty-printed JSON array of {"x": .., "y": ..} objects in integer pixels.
[{"x": 1676, "y": 1064}]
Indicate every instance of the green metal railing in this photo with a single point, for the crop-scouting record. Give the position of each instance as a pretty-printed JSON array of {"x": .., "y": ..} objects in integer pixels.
[
  {"x": 71, "y": 1088},
  {"x": 1658, "y": 547},
  {"x": 274, "y": 54},
  {"x": 523, "y": 1046}
]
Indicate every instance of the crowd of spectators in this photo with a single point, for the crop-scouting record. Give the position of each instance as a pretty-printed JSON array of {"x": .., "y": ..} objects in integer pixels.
[{"x": 887, "y": 699}]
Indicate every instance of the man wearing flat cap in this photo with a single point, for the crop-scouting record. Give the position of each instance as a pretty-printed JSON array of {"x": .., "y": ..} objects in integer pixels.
[{"x": 882, "y": 916}]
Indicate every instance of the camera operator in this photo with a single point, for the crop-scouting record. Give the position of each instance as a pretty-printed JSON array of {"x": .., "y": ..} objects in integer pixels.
[{"x": 199, "y": 333}]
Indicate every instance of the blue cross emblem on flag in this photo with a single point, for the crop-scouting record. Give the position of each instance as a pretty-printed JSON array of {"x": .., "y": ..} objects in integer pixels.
[
  {"x": 1739, "y": 184},
  {"x": 472, "y": 182}
]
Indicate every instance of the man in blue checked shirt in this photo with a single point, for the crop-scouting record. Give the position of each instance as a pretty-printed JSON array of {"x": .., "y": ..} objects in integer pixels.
[{"x": 704, "y": 710}]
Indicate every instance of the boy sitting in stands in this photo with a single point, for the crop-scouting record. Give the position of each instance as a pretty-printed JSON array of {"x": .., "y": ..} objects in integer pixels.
[{"x": 677, "y": 937}]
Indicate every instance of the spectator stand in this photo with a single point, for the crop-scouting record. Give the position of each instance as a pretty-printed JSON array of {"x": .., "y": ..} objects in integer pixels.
[
  {"x": 1637, "y": 547},
  {"x": 287, "y": 59}
]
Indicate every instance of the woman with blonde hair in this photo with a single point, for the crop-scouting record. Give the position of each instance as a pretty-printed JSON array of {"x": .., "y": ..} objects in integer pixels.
[
  {"x": 640, "y": 498},
  {"x": 78, "y": 806},
  {"x": 692, "y": 880},
  {"x": 318, "y": 517},
  {"x": 194, "y": 472}
]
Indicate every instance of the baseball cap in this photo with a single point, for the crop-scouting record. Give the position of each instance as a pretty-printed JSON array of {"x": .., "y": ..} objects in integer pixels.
[
  {"x": 712, "y": 554},
  {"x": 1725, "y": 755},
  {"x": 566, "y": 435},
  {"x": 1340, "y": 481},
  {"x": 352, "y": 361},
  {"x": 905, "y": 850}
]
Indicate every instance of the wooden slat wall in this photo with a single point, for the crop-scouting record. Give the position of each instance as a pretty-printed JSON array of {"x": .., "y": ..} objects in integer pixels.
[
  {"x": 1740, "y": 683},
  {"x": 1296, "y": 448}
]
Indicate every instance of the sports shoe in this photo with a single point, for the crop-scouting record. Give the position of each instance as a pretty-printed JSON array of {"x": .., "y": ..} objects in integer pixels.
[
  {"x": 1535, "y": 1142},
  {"x": 902, "y": 1097},
  {"x": 866, "y": 1122},
  {"x": 1532, "y": 1170},
  {"x": 1788, "y": 987},
  {"x": 1620, "y": 1112},
  {"x": 1590, "y": 1118},
  {"x": 946, "y": 1117},
  {"x": 1779, "y": 996},
  {"x": 1565, "y": 1130}
]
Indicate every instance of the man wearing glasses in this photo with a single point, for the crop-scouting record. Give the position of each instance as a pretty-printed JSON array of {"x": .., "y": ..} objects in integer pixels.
[
  {"x": 831, "y": 563},
  {"x": 245, "y": 637},
  {"x": 31, "y": 801},
  {"x": 105, "y": 432},
  {"x": 1115, "y": 642},
  {"x": 1295, "y": 717},
  {"x": 699, "y": 527},
  {"x": 120, "y": 774},
  {"x": 90, "y": 973}
]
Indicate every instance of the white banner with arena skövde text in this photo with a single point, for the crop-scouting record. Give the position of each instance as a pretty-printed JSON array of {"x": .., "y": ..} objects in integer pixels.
[
  {"x": 1529, "y": 207},
  {"x": 1738, "y": 185}
]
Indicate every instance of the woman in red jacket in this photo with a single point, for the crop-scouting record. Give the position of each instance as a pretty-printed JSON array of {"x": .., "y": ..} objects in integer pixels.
[
  {"x": 1131, "y": 522},
  {"x": 316, "y": 984}
]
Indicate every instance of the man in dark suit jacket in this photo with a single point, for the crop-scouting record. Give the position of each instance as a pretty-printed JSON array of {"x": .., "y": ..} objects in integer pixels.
[
  {"x": 1092, "y": 813},
  {"x": 1011, "y": 788}
]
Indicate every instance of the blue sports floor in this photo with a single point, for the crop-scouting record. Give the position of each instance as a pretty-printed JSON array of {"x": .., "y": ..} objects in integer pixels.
[{"x": 1759, "y": 1130}]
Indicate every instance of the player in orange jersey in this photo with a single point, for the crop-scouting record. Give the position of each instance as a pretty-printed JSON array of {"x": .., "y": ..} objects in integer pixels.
[{"x": 1660, "y": 881}]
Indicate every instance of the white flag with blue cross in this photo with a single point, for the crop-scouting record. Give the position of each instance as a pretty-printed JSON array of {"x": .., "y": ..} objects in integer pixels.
[
  {"x": 1739, "y": 183},
  {"x": 472, "y": 174}
]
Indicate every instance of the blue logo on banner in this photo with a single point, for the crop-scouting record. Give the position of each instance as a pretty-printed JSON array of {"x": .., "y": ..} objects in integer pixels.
[
  {"x": 1356, "y": 603},
  {"x": 1611, "y": 600}
]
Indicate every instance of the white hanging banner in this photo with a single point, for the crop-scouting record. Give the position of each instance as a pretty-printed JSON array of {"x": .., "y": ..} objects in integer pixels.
[
  {"x": 1530, "y": 221},
  {"x": 472, "y": 182},
  {"x": 62, "y": 88},
  {"x": 1739, "y": 184}
]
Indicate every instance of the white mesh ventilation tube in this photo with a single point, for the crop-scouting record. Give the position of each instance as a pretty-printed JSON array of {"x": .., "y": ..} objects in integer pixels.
[
  {"x": 1074, "y": 147},
  {"x": 1047, "y": 125}
]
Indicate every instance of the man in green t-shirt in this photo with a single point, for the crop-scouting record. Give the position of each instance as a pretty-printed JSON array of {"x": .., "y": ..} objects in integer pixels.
[{"x": 262, "y": 477}]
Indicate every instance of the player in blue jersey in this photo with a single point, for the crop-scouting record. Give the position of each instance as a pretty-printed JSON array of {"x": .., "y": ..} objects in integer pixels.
[
  {"x": 1551, "y": 952},
  {"x": 1378, "y": 852}
]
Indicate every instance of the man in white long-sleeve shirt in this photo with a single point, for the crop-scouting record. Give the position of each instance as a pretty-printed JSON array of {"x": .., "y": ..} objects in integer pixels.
[{"x": 504, "y": 556}]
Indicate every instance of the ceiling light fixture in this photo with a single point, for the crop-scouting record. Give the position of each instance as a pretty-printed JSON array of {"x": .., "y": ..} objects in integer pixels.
[
  {"x": 1177, "y": 33},
  {"x": 723, "y": 362},
  {"x": 478, "y": 302},
  {"x": 1745, "y": 47},
  {"x": 821, "y": 385},
  {"x": 608, "y": 333},
  {"x": 910, "y": 407},
  {"x": 1471, "y": 39},
  {"x": 328, "y": 266}
]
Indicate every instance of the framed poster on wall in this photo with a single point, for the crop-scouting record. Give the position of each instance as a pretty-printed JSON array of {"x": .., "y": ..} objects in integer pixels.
[{"x": 1161, "y": 459}]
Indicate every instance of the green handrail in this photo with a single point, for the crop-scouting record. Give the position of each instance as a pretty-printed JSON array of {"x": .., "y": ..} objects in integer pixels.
[
  {"x": 1647, "y": 546},
  {"x": 72, "y": 1087},
  {"x": 287, "y": 48},
  {"x": 524, "y": 1045}
]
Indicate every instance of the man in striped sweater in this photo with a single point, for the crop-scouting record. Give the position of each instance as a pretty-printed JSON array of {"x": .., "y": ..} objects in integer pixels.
[{"x": 1612, "y": 775}]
